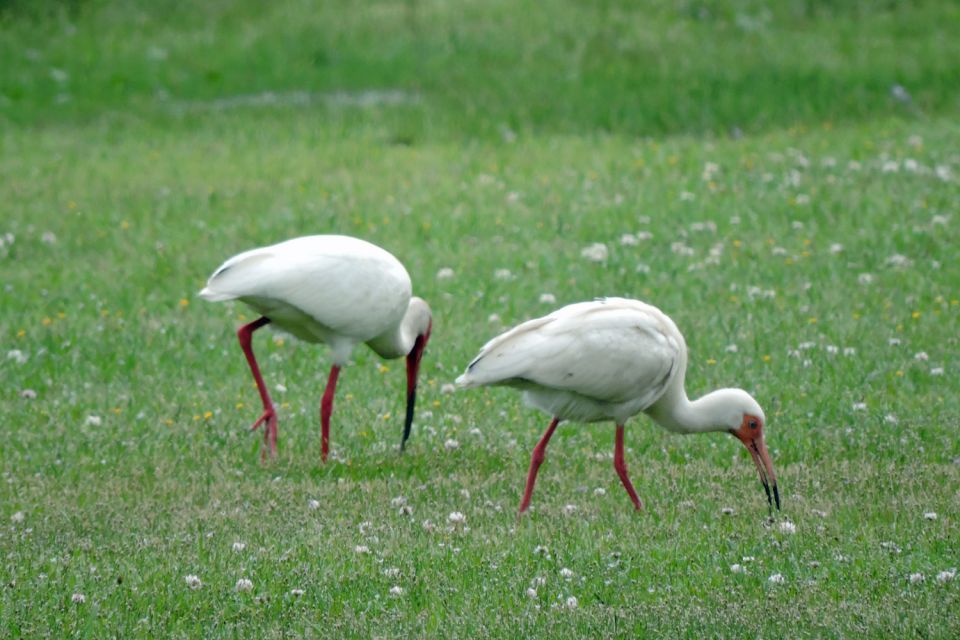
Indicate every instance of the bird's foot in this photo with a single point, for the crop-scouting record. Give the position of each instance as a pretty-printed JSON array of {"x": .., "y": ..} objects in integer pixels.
[{"x": 269, "y": 421}]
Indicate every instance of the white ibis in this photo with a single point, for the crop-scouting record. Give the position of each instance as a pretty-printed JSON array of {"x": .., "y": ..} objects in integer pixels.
[
  {"x": 333, "y": 289},
  {"x": 609, "y": 360}
]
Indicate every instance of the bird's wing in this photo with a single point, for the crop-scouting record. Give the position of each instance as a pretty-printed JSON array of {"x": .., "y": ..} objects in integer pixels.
[
  {"x": 343, "y": 283},
  {"x": 611, "y": 350}
]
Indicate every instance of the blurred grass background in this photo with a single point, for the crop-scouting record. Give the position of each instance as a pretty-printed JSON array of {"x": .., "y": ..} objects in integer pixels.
[{"x": 791, "y": 168}]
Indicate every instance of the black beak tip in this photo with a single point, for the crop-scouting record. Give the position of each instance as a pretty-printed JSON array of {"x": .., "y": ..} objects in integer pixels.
[
  {"x": 776, "y": 494},
  {"x": 408, "y": 419}
]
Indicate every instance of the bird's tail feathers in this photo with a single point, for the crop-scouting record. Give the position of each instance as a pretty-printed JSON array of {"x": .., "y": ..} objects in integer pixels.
[
  {"x": 215, "y": 296},
  {"x": 464, "y": 381}
]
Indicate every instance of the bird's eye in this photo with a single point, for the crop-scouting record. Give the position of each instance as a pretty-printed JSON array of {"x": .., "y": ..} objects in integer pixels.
[{"x": 753, "y": 423}]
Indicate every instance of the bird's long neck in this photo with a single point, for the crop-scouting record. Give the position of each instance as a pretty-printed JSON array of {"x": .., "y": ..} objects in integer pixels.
[
  {"x": 399, "y": 340},
  {"x": 675, "y": 412}
]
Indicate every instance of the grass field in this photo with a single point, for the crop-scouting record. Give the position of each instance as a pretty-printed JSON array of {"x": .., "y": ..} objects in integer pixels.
[{"x": 781, "y": 179}]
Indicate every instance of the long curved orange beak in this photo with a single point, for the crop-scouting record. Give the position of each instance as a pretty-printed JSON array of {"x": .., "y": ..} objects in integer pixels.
[
  {"x": 753, "y": 441},
  {"x": 761, "y": 458}
]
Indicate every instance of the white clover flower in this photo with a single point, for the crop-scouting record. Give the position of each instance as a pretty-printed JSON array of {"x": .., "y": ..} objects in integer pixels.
[
  {"x": 572, "y": 602},
  {"x": 706, "y": 225},
  {"x": 681, "y": 249},
  {"x": 445, "y": 273},
  {"x": 936, "y": 371},
  {"x": 448, "y": 387},
  {"x": 911, "y": 165},
  {"x": 193, "y": 582},
  {"x": 391, "y": 572},
  {"x": 731, "y": 348},
  {"x": 396, "y": 591},
  {"x": 890, "y": 166},
  {"x": 457, "y": 518},
  {"x": 17, "y": 517},
  {"x": 28, "y": 394},
  {"x": 540, "y": 549},
  {"x": 865, "y": 278},
  {"x": 538, "y": 581},
  {"x": 946, "y": 576},
  {"x": 849, "y": 351},
  {"x": 361, "y": 548},
  {"x": 566, "y": 573},
  {"x": 94, "y": 421},
  {"x": 778, "y": 251},
  {"x": 78, "y": 598},
  {"x": 17, "y": 356},
  {"x": 940, "y": 220},
  {"x": 493, "y": 318},
  {"x": 642, "y": 268},
  {"x": 643, "y": 235},
  {"x": 686, "y": 196},
  {"x": 859, "y": 406},
  {"x": 899, "y": 261},
  {"x": 451, "y": 445},
  {"x": 296, "y": 593},
  {"x": 599, "y": 491},
  {"x": 727, "y": 511},
  {"x": 943, "y": 172},
  {"x": 570, "y": 509},
  {"x": 531, "y": 593},
  {"x": 239, "y": 546},
  {"x": 313, "y": 504},
  {"x": 399, "y": 501},
  {"x": 891, "y": 419},
  {"x": 502, "y": 274},
  {"x": 916, "y": 578},
  {"x": 894, "y": 342},
  {"x": 244, "y": 584},
  {"x": 930, "y": 515},
  {"x": 281, "y": 388},
  {"x": 596, "y": 252},
  {"x": 921, "y": 356},
  {"x": 776, "y": 578},
  {"x": 787, "y": 527},
  {"x": 629, "y": 240},
  {"x": 48, "y": 237},
  {"x": 832, "y": 349},
  {"x": 738, "y": 568},
  {"x": 547, "y": 298}
]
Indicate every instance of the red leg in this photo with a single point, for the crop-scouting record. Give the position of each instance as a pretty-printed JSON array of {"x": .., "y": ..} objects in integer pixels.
[
  {"x": 539, "y": 454},
  {"x": 269, "y": 416},
  {"x": 326, "y": 410},
  {"x": 621, "y": 467}
]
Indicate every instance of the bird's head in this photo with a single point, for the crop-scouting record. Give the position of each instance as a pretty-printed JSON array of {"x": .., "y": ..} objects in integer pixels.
[{"x": 746, "y": 421}]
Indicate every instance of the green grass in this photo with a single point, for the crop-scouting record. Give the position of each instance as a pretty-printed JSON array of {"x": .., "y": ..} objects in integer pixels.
[{"x": 524, "y": 134}]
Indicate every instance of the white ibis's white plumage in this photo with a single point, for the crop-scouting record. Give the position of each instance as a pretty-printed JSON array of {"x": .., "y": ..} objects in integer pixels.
[
  {"x": 611, "y": 359},
  {"x": 333, "y": 289}
]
